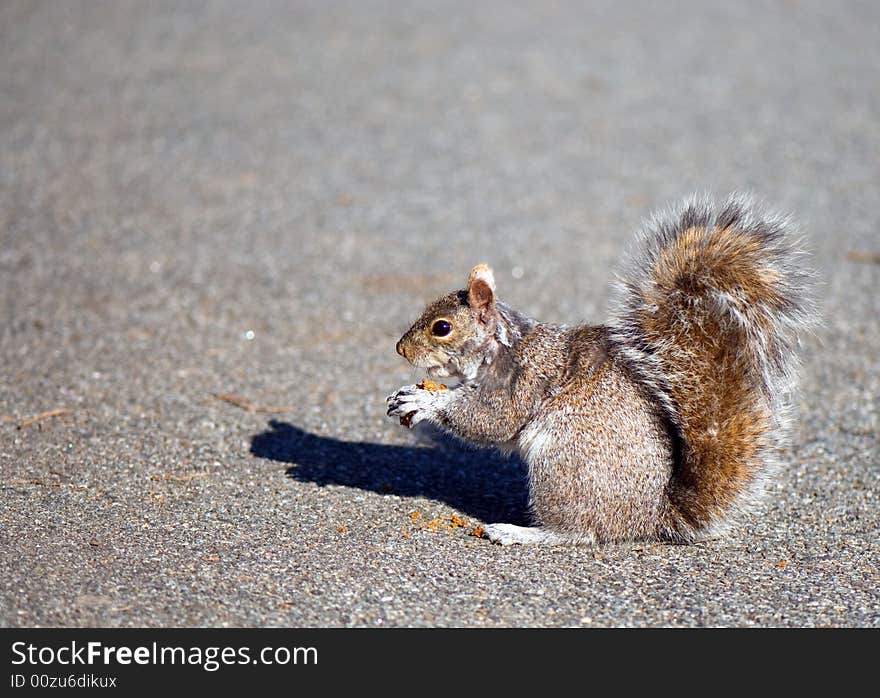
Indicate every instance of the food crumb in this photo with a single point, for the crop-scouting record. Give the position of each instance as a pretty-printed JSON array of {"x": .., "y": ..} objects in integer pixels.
[
  {"x": 441, "y": 523},
  {"x": 428, "y": 384},
  {"x": 340, "y": 529},
  {"x": 406, "y": 420},
  {"x": 782, "y": 563},
  {"x": 477, "y": 532}
]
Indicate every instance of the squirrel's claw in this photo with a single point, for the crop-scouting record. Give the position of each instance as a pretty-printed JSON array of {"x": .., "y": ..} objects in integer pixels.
[
  {"x": 396, "y": 399},
  {"x": 411, "y": 404}
]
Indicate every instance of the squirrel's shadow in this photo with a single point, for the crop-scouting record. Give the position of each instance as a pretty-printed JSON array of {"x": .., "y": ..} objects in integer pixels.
[{"x": 481, "y": 483}]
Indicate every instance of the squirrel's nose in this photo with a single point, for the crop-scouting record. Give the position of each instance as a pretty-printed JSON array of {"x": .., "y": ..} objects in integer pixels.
[{"x": 400, "y": 349}]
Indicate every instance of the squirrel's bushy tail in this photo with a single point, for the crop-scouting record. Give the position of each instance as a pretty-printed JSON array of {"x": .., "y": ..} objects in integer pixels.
[{"x": 707, "y": 319}]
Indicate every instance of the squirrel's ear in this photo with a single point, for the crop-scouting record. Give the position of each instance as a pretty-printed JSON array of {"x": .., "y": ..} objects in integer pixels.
[{"x": 481, "y": 288}]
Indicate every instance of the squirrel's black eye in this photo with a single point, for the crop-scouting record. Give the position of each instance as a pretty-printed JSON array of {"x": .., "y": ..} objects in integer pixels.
[{"x": 441, "y": 328}]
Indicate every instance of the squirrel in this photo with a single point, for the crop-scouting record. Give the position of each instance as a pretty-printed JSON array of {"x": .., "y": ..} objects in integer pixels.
[{"x": 662, "y": 424}]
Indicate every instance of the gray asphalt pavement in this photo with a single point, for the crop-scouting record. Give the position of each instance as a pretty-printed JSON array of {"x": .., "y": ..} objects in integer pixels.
[{"x": 255, "y": 200}]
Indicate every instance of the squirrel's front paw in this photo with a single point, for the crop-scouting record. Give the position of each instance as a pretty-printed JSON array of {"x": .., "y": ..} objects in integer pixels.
[{"x": 412, "y": 404}]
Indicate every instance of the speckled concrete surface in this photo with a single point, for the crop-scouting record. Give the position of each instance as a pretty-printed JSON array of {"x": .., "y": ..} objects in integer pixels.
[{"x": 256, "y": 199}]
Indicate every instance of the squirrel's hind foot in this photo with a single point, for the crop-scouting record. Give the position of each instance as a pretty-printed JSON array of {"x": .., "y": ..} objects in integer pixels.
[{"x": 510, "y": 534}]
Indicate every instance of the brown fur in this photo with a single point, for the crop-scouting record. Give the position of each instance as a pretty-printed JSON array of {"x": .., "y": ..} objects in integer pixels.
[{"x": 723, "y": 416}]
